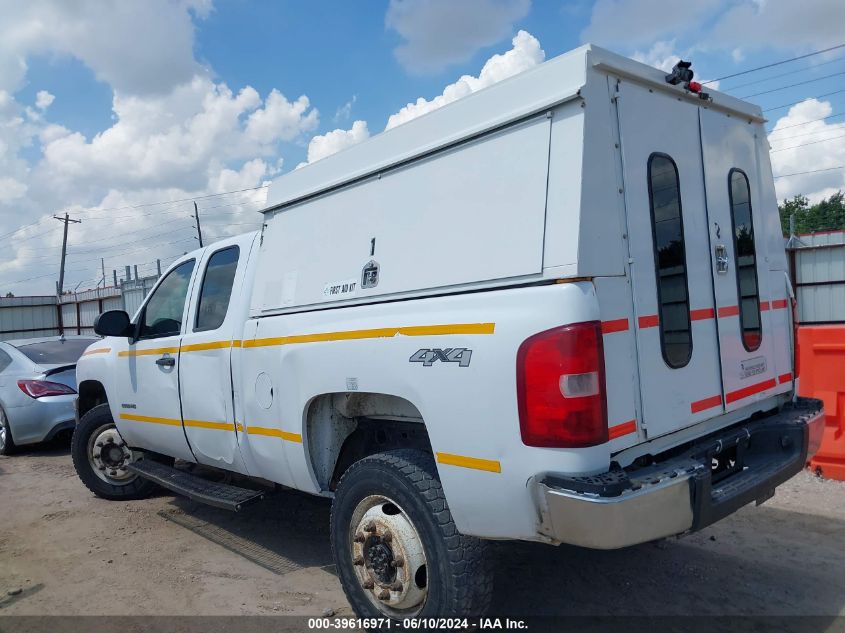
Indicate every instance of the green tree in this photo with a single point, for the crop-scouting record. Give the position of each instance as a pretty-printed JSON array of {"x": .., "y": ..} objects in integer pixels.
[{"x": 824, "y": 215}]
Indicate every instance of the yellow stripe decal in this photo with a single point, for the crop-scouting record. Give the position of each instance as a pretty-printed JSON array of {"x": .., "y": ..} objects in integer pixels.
[
  {"x": 100, "y": 350},
  {"x": 285, "y": 435},
  {"x": 151, "y": 419},
  {"x": 350, "y": 335},
  {"x": 388, "y": 332},
  {"x": 198, "y": 347},
  {"x": 150, "y": 352},
  {"x": 217, "y": 426},
  {"x": 490, "y": 465}
]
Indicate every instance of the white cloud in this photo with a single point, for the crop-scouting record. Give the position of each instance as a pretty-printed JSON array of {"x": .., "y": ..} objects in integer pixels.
[
  {"x": 175, "y": 134},
  {"x": 175, "y": 139},
  {"x": 137, "y": 47},
  {"x": 526, "y": 53},
  {"x": 44, "y": 99},
  {"x": 345, "y": 111},
  {"x": 791, "y": 159},
  {"x": 281, "y": 119},
  {"x": 706, "y": 25},
  {"x": 661, "y": 55},
  {"x": 336, "y": 140},
  {"x": 630, "y": 24},
  {"x": 438, "y": 33}
]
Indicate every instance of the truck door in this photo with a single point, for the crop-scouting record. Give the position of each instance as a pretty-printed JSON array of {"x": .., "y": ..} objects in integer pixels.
[
  {"x": 677, "y": 344},
  {"x": 147, "y": 374},
  {"x": 744, "y": 299},
  {"x": 205, "y": 375}
]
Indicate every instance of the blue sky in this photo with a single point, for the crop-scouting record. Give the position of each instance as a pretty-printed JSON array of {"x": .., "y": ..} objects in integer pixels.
[{"x": 112, "y": 104}]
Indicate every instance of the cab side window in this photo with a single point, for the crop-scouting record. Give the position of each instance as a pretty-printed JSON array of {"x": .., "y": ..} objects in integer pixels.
[
  {"x": 216, "y": 289},
  {"x": 670, "y": 262},
  {"x": 745, "y": 259},
  {"x": 162, "y": 315},
  {"x": 5, "y": 360}
]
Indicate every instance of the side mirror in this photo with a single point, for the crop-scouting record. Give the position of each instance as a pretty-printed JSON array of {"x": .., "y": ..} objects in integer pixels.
[{"x": 113, "y": 323}]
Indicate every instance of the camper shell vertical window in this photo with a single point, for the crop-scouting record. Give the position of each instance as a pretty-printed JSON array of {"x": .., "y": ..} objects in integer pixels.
[
  {"x": 745, "y": 259},
  {"x": 670, "y": 263}
]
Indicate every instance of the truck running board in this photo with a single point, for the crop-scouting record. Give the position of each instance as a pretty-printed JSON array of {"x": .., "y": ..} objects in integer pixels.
[{"x": 215, "y": 494}]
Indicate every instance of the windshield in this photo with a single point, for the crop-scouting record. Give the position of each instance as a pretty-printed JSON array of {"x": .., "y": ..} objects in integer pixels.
[{"x": 56, "y": 352}]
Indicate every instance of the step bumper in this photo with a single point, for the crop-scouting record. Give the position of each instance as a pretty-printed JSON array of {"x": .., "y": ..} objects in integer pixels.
[{"x": 684, "y": 493}]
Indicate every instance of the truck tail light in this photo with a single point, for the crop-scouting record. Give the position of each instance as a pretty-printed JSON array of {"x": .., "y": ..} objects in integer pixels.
[
  {"x": 561, "y": 388},
  {"x": 41, "y": 388}
]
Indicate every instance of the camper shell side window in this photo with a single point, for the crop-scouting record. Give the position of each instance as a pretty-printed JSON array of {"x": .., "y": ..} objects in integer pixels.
[
  {"x": 745, "y": 260},
  {"x": 670, "y": 263}
]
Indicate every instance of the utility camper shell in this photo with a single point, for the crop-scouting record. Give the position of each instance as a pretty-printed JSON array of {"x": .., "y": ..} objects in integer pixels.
[
  {"x": 588, "y": 167},
  {"x": 516, "y": 183}
]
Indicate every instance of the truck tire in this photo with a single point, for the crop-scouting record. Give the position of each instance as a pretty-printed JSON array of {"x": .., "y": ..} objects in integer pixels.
[
  {"x": 7, "y": 444},
  {"x": 99, "y": 453},
  {"x": 396, "y": 548}
]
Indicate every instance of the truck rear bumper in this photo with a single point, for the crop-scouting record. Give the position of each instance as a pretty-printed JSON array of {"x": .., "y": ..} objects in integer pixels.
[{"x": 692, "y": 488}]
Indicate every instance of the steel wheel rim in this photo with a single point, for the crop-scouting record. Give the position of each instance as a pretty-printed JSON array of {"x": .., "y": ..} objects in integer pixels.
[
  {"x": 388, "y": 557},
  {"x": 108, "y": 456}
]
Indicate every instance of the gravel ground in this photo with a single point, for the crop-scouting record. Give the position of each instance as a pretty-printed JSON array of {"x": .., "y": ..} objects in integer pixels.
[{"x": 65, "y": 552}]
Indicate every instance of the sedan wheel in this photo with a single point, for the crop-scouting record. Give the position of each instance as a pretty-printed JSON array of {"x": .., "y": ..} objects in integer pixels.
[{"x": 7, "y": 444}]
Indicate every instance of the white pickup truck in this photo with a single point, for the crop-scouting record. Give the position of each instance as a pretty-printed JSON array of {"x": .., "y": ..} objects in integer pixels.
[{"x": 556, "y": 310}]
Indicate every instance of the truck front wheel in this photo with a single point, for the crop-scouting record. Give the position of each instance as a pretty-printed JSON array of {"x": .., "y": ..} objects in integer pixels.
[
  {"x": 397, "y": 550},
  {"x": 100, "y": 457}
]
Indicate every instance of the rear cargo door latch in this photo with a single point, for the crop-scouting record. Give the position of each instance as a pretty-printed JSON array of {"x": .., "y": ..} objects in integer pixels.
[{"x": 720, "y": 254}]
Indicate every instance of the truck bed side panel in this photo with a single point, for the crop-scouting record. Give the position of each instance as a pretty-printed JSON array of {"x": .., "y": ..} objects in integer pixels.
[{"x": 470, "y": 412}]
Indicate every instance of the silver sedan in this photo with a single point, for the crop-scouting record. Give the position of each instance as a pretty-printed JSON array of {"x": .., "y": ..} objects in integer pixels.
[{"x": 37, "y": 388}]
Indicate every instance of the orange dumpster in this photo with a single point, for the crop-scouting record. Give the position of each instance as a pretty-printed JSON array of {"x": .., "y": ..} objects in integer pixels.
[{"x": 821, "y": 365}]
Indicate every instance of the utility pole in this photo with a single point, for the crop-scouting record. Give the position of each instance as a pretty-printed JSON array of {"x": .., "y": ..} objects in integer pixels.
[
  {"x": 66, "y": 220},
  {"x": 197, "y": 218},
  {"x": 103, "y": 268}
]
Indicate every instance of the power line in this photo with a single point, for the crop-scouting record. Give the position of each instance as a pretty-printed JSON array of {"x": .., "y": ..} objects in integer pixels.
[
  {"x": 824, "y": 140},
  {"x": 800, "y": 83},
  {"x": 786, "y": 127},
  {"x": 811, "y": 171},
  {"x": 786, "y": 105},
  {"x": 786, "y": 74},
  {"x": 191, "y": 199},
  {"x": 784, "y": 61}
]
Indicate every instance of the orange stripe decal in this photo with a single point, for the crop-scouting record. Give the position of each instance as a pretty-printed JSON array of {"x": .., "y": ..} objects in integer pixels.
[
  {"x": 779, "y": 304},
  {"x": 707, "y": 403},
  {"x": 701, "y": 314},
  {"x": 620, "y": 430},
  {"x": 750, "y": 390},
  {"x": 649, "y": 320},
  {"x": 764, "y": 305},
  {"x": 728, "y": 311},
  {"x": 617, "y": 325},
  {"x": 784, "y": 378}
]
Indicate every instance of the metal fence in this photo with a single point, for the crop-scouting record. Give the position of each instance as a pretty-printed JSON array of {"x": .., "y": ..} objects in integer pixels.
[
  {"x": 817, "y": 263},
  {"x": 72, "y": 313},
  {"x": 28, "y": 317}
]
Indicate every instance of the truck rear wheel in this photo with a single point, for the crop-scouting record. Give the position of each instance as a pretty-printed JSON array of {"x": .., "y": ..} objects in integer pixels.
[
  {"x": 397, "y": 550},
  {"x": 100, "y": 457}
]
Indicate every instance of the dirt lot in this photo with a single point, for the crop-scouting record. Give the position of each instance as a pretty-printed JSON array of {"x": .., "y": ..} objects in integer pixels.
[{"x": 70, "y": 553}]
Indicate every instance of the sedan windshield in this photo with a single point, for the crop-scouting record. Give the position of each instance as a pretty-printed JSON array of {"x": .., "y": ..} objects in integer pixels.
[{"x": 56, "y": 352}]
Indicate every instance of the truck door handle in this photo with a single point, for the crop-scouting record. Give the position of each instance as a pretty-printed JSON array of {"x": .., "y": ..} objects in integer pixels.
[{"x": 166, "y": 361}]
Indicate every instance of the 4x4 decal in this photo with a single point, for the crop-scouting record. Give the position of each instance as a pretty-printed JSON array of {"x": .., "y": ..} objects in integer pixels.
[{"x": 428, "y": 357}]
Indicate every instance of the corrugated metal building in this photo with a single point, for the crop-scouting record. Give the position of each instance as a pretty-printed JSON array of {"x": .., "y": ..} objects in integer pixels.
[
  {"x": 73, "y": 313},
  {"x": 28, "y": 317},
  {"x": 818, "y": 268}
]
